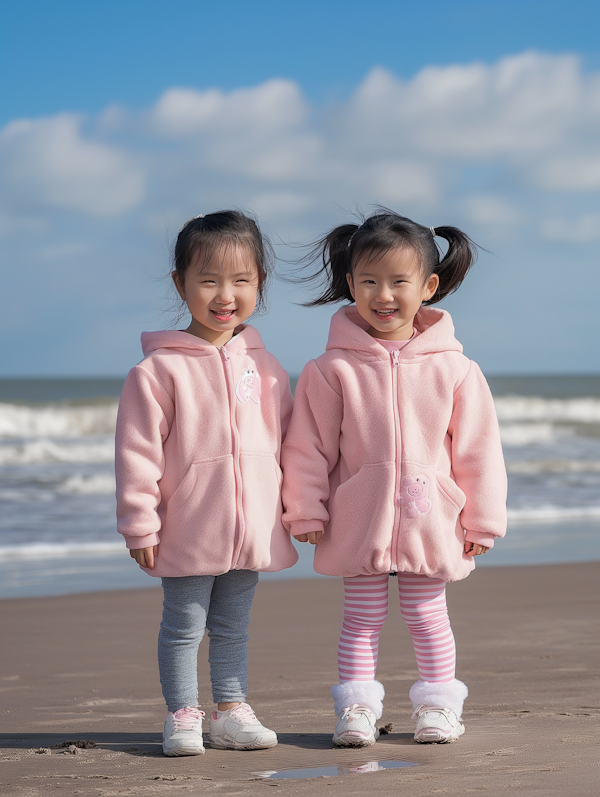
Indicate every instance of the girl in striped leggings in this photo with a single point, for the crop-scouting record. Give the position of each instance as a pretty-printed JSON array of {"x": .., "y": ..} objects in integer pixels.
[{"x": 392, "y": 462}]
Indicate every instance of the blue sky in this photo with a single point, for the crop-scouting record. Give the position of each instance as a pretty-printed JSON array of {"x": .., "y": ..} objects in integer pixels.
[{"x": 120, "y": 120}]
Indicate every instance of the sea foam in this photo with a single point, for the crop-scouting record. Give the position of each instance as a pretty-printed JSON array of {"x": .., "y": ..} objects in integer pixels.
[{"x": 57, "y": 420}]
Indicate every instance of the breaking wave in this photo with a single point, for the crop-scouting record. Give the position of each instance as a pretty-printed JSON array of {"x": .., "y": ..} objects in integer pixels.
[
  {"x": 41, "y": 550},
  {"x": 549, "y": 513},
  {"x": 525, "y": 408},
  {"x": 44, "y": 450},
  {"x": 57, "y": 420}
]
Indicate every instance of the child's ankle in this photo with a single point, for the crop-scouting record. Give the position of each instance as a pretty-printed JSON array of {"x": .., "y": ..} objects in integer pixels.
[{"x": 227, "y": 706}]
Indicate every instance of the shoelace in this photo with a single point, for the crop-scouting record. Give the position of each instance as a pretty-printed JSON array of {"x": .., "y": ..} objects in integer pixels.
[
  {"x": 244, "y": 713},
  {"x": 354, "y": 711},
  {"x": 187, "y": 718},
  {"x": 422, "y": 708}
]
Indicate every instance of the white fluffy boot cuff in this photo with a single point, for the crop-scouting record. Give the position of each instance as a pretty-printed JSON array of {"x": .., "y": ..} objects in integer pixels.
[
  {"x": 442, "y": 695},
  {"x": 366, "y": 693}
]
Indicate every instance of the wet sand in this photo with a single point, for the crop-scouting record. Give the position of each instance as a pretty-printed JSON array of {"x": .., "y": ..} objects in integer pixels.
[{"x": 83, "y": 667}]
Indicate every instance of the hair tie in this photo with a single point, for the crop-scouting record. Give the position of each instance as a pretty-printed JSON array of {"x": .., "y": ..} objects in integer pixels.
[
  {"x": 353, "y": 234},
  {"x": 432, "y": 231}
]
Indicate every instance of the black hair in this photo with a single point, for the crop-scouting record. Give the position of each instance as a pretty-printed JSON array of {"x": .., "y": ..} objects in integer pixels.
[
  {"x": 210, "y": 235},
  {"x": 341, "y": 249}
]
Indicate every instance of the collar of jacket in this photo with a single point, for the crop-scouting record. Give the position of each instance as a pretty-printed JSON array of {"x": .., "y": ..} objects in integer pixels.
[
  {"x": 247, "y": 337},
  {"x": 348, "y": 330}
]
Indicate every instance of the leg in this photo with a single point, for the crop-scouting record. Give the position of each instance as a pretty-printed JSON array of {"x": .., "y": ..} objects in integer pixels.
[
  {"x": 227, "y": 623},
  {"x": 423, "y": 607},
  {"x": 185, "y": 609},
  {"x": 365, "y": 611},
  {"x": 358, "y": 697},
  {"x": 236, "y": 728},
  {"x": 438, "y": 696}
]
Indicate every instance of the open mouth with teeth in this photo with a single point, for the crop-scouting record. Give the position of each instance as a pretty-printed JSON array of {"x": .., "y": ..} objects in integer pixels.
[
  {"x": 384, "y": 315},
  {"x": 223, "y": 315}
]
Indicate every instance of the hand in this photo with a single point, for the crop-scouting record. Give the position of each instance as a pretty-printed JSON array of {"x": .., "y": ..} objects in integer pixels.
[
  {"x": 145, "y": 556},
  {"x": 311, "y": 536},
  {"x": 474, "y": 549}
]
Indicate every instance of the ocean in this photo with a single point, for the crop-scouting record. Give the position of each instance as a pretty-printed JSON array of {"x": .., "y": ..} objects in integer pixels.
[{"x": 57, "y": 506}]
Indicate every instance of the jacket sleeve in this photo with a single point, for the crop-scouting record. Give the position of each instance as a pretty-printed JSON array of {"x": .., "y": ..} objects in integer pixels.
[
  {"x": 310, "y": 451},
  {"x": 143, "y": 423},
  {"x": 477, "y": 459}
]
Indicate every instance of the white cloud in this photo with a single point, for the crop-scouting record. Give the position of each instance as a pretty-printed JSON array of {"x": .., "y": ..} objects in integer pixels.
[
  {"x": 276, "y": 105},
  {"x": 520, "y": 105},
  {"x": 280, "y": 204},
  {"x": 571, "y": 173},
  {"x": 491, "y": 210},
  {"x": 583, "y": 230},
  {"x": 487, "y": 143},
  {"x": 49, "y": 163}
]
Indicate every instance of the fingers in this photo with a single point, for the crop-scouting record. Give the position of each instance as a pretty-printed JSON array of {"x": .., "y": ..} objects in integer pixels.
[
  {"x": 474, "y": 549},
  {"x": 149, "y": 558},
  {"x": 310, "y": 536},
  {"x": 145, "y": 556}
]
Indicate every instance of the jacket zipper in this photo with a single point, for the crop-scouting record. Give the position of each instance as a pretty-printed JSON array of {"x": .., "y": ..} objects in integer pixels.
[
  {"x": 240, "y": 528},
  {"x": 395, "y": 357}
]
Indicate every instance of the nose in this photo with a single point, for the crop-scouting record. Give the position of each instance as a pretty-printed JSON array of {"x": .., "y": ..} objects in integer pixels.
[
  {"x": 224, "y": 294},
  {"x": 384, "y": 294}
]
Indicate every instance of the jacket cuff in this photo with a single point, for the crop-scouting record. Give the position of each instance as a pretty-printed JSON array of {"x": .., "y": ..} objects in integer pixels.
[
  {"x": 147, "y": 541},
  {"x": 480, "y": 537},
  {"x": 304, "y": 526}
]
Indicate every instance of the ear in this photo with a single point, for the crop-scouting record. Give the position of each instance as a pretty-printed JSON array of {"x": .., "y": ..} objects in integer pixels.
[
  {"x": 178, "y": 285},
  {"x": 350, "y": 281},
  {"x": 431, "y": 287}
]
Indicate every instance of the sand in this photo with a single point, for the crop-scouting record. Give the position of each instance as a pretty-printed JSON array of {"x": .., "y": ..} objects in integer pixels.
[{"x": 83, "y": 668}]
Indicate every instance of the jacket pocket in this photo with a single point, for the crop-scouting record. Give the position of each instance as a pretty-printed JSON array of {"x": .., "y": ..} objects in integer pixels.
[
  {"x": 428, "y": 496},
  {"x": 266, "y": 545},
  {"x": 261, "y": 479},
  {"x": 431, "y": 538},
  {"x": 450, "y": 491},
  {"x": 200, "y": 516},
  {"x": 362, "y": 516}
]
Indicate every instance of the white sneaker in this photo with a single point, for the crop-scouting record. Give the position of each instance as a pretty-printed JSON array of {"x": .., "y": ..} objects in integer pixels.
[
  {"x": 239, "y": 729},
  {"x": 183, "y": 732},
  {"x": 355, "y": 727},
  {"x": 437, "y": 725}
]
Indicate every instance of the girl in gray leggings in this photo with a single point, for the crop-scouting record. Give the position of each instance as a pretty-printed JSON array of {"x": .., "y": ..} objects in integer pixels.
[{"x": 199, "y": 432}]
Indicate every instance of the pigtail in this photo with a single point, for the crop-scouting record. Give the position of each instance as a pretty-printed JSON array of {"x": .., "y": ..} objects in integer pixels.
[
  {"x": 455, "y": 264},
  {"x": 333, "y": 250}
]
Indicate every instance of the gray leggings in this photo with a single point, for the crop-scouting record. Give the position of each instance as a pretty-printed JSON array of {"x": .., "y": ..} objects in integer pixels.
[{"x": 220, "y": 604}]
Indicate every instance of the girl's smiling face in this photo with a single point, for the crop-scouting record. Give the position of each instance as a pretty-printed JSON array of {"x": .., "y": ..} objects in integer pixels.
[
  {"x": 220, "y": 294},
  {"x": 389, "y": 290}
]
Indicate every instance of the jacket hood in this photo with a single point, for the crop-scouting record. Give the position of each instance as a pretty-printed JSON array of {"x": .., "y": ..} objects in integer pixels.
[
  {"x": 348, "y": 330},
  {"x": 246, "y": 337}
]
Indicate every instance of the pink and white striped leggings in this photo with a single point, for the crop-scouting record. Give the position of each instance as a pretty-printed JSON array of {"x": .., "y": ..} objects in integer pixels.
[{"x": 423, "y": 607}]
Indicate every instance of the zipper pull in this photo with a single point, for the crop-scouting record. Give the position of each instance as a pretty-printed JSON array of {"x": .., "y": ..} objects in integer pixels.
[
  {"x": 224, "y": 353},
  {"x": 395, "y": 357}
]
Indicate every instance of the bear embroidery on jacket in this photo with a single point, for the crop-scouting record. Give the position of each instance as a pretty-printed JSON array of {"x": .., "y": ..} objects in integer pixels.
[
  {"x": 248, "y": 386},
  {"x": 413, "y": 495}
]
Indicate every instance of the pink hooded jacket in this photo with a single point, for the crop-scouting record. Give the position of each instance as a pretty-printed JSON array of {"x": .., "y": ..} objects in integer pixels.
[
  {"x": 198, "y": 442},
  {"x": 394, "y": 454}
]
